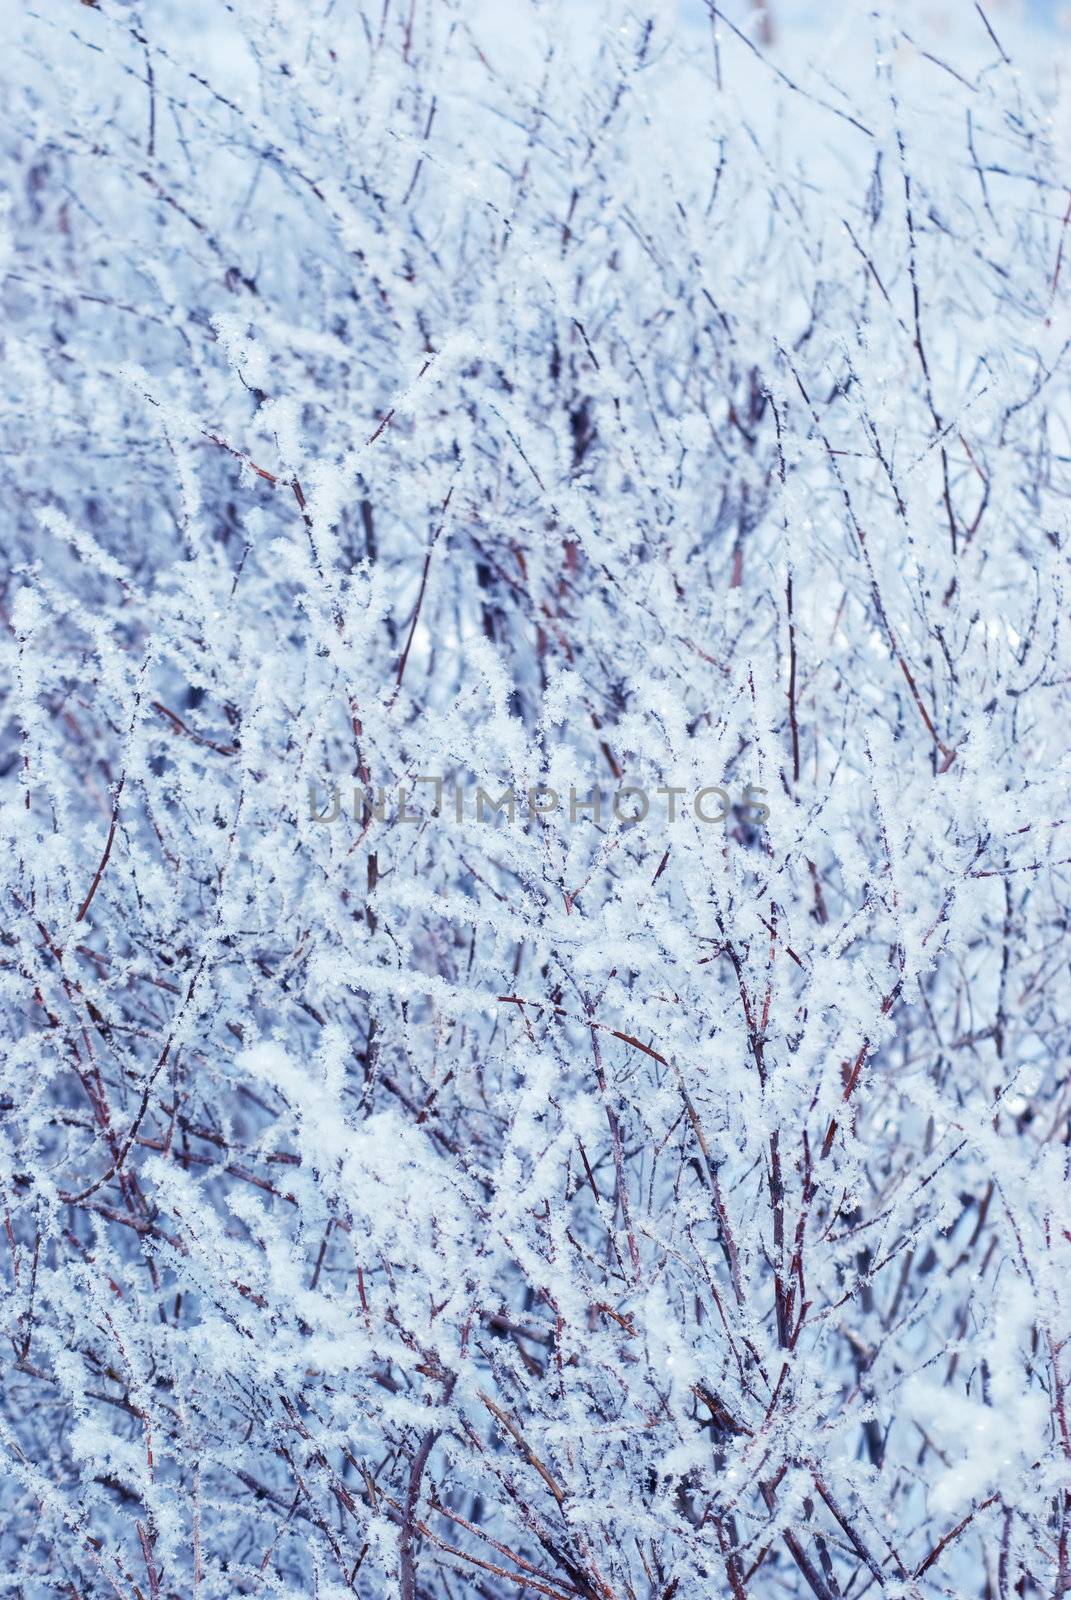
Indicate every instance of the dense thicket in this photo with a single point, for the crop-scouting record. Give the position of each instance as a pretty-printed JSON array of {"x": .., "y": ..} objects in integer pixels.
[{"x": 428, "y": 398}]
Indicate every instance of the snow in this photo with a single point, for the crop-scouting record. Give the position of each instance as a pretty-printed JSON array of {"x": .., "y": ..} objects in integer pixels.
[{"x": 435, "y": 398}]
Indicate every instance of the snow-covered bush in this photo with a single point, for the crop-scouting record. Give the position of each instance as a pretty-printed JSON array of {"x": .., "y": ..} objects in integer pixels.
[{"x": 407, "y": 1191}]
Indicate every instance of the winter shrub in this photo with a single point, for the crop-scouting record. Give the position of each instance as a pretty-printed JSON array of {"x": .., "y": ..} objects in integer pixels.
[{"x": 627, "y": 1197}]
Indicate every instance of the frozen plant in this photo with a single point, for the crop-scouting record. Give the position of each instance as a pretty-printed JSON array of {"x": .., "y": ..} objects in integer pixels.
[{"x": 533, "y": 396}]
